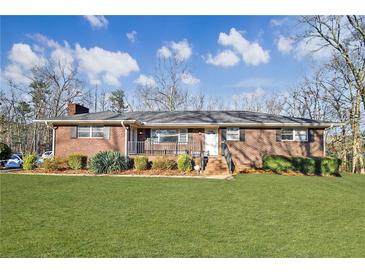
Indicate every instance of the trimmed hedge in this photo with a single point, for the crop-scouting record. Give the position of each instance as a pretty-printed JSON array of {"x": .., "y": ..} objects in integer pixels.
[
  {"x": 164, "y": 163},
  {"x": 305, "y": 165},
  {"x": 76, "y": 161},
  {"x": 140, "y": 163},
  {"x": 29, "y": 162},
  {"x": 330, "y": 166},
  {"x": 55, "y": 163},
  {"x": 277, "y": 163},
  {"x": 108, "y": 162},
  {"x": 184, "y": 163}
]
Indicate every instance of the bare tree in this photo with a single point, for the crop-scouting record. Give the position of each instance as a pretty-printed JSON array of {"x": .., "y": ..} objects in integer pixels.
[
  {"x": 50, "y": 89},
  {"x": 258, "y": 101},
  {"x": 166, "y": 92},
  {"x": 345, "y": 35}
]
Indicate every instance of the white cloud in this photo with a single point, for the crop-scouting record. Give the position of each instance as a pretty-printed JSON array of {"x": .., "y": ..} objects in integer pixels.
[
  {"x": 249, "y": 95},
  {"x": 164, "y": 52},
  {"x": 252, "y": 53},
  {"x": 97, "y": 21},
  {"x": 23, "y": 55},
  {"x": 182, "y": 50},
  {"x": 145, "y": 80},
  {"x": 188, "y": 79},
  {"x": 278, "y": 22},
  {"x": 105, "y": 66},
  {"x": 63, "y": 55},
  {"x": 43, "y": 40},
  {"x": 285, "y": 44},
  {"x": 131, "y": 36},
  {"x": 312, "y": 48},
  {"x": 22, "y": 59},
  {"x": 225, "y": 58}
]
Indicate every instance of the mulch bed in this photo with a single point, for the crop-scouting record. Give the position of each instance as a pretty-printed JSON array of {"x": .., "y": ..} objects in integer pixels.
[
  {"x": 261, "y": 171},
  {"x": 126, "y": 172}
]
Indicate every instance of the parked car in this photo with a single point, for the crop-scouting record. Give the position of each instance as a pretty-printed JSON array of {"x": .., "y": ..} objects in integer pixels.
[
  {"x": 46, "y": 155},
  {"x": 15, "y": 161}
]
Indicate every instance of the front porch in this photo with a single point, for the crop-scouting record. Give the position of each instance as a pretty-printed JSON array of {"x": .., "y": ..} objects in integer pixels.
[
  {"x": 150, "y": 147},
  {"x": 170, "y": 141}
]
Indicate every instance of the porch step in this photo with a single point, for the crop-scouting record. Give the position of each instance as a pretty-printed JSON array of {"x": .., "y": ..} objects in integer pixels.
[{"x": 216, "y": 166}]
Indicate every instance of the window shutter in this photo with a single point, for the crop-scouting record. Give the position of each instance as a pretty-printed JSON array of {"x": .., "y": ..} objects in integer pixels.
[
  {"x": 147, "y": 132},
  {"x": 73, "y": 132},
  {"x": 310, "y": 135},
  {"x": 278, "y": 135},
  {"x": 224, "y": 134},
  {"x": 106, "y": 132},
  {"x": 242, "y": 134}
]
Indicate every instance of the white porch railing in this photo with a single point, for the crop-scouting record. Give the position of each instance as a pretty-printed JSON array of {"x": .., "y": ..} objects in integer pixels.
[{"x": 153, "y": 148}]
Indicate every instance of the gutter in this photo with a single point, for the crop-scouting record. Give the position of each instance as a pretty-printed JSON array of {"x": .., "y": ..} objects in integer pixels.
[
  {"x": 80, "y": 122},
  {"x": 213, "y": 125},
  {"x": 53, "y": 137},
  {"x": 125, "y": 138},
  {"x": 246, "y": 125}
]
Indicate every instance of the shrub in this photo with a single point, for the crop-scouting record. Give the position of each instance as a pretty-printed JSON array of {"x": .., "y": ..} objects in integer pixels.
[
  {"x": 184, "y": 163},
  {"x": 29, "y": 161},
  {"x": 5, "y": 151},
  {"x": 164, "y": 163},
  {"x": 76, "y": 161},
  {"x": 141, "y": 163},
  {"x": 304, "y": 165},
  {"x": 277, "y": 163},
  {"x": 55, "y": 163},
  {"x": 330, "y": 166},
  {"x": 108, "y": 162}
]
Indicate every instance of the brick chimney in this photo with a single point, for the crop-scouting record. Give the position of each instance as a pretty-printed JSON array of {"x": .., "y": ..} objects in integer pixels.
[{"x": 73, "y": 109}]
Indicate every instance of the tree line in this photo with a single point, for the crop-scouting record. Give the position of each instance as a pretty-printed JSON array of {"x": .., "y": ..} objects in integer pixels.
[{"x": 334, "y": 91}]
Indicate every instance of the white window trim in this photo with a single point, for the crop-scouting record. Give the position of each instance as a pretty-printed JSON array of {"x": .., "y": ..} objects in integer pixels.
[
  {"x": 90, "y": 133},
  {"x": 237, "y": 132},
  {"x": 294, "y": 134}
]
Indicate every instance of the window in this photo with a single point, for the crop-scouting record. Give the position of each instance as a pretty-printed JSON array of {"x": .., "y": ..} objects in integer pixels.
[
  {"x": 233, "y": 134},
  {"x": 84, "y": 132},
  {"x": 183, "y": 135},
  {"x": 169, "y": 135},
  {"x": 289, "y": 134},
  {"x": 90, "y": 132},
  {"x": 301, "y": 135},
  {"x": 97, "y": 132}
]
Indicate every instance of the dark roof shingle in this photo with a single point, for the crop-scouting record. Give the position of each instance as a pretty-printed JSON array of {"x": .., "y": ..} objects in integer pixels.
[{"x": 194, "y": 117}]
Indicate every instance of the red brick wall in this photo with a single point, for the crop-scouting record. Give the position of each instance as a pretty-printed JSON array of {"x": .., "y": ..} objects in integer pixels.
[
  {"x": 259, "y": 142},
  {"x": 65, "y": 145}
]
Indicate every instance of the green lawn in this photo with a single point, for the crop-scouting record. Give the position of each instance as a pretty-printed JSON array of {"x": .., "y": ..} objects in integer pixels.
[{"x": 251, "y": 216}]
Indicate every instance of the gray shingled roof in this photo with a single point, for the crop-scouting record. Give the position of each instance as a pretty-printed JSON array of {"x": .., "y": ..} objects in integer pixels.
[{"x": 193, "y": 117}]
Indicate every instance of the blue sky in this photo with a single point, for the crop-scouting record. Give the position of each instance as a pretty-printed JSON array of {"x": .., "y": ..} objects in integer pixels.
[{"x": 259, "y": 54}]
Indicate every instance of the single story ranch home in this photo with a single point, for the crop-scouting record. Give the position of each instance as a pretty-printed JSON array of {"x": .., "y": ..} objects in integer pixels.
[{"x": 228, "y": 138}]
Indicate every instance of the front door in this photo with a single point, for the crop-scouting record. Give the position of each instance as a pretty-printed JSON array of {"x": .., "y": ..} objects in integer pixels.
[{"x": 211, "y": 142}]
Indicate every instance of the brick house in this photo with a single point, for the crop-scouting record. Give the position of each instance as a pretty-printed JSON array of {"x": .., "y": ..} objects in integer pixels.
[{"x": 240, "y": 138}]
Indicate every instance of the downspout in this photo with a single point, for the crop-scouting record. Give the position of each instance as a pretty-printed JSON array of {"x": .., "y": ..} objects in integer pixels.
[
  {"x": 53, "y": 137},
  {"x": 325, "y": 140},
  {"x": 125, "y": 138}
]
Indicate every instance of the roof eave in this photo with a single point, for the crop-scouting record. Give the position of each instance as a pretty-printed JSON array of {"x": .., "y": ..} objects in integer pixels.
[{"x": 85, "y": 122}]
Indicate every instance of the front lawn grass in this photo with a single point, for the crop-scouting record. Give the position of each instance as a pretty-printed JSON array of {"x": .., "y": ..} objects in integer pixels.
[{"x": 251, "y": 216}]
